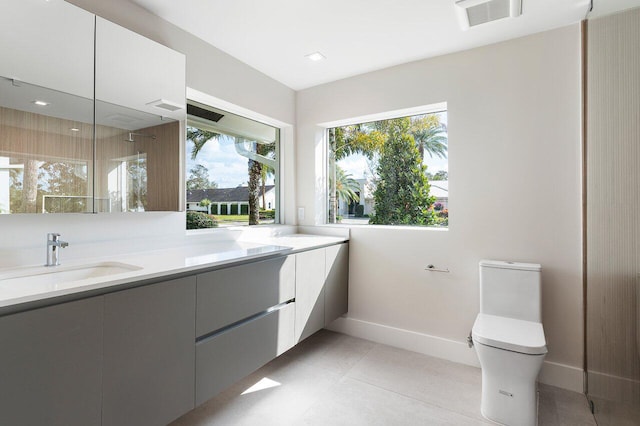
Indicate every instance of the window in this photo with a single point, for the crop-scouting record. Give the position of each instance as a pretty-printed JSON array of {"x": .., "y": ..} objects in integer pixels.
[
  {"x": 390, "y": 172},
  {"x": 232, "y": 169}
]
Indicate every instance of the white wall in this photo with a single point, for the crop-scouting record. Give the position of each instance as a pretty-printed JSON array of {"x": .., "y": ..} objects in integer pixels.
[
  {"x": 209, "y": 71},
  {"x": 515, "y": 184}
]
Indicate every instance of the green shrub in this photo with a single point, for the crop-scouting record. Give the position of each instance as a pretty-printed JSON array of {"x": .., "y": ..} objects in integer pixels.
[
  {"x": 199, "y": 220},
  {"x": 234, "y": 209},
  {"x": 223, "y": 209},
  {"x": 359, "y": 210},
  {"x": 267, "y": 214},
  {"x": 244, "y": 209}
]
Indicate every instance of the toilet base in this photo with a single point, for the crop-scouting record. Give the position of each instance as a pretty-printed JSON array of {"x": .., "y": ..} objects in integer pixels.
[{"x": 509, "y": 388}]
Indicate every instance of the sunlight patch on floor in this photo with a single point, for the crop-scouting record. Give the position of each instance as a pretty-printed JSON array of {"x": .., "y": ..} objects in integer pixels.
[{"x": 264, "y": 383}]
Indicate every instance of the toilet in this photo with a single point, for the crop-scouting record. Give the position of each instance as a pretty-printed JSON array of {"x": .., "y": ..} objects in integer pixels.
[{"x": 509, "y": 340}]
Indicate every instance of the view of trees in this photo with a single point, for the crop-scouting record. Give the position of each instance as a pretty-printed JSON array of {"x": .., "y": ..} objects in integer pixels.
[
  {"x": 199, "y": 178},
  {"x": 258, "y": 172},
  {"x": 41, "y": 178},
  {"x": 440, "y": 175},
  {"x": 395, "y": 150},
  {"x": 402, "y": 189}
]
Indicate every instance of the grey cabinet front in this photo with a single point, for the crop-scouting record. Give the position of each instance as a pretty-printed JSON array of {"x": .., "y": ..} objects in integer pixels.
[
  {"x": 231, "y": 355},
  {"x": 310, "y": 278},
  {"x": 336, "y": 289},
  {"x": 50, "y": 365},
  {"x": 233, "y": 294},
  {"x": 149, "y": 335}
]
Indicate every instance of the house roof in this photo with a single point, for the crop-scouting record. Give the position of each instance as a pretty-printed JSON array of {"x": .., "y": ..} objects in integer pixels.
[
  {"x": 439, "y": 188},
  {"x": 223, "y": 195}
]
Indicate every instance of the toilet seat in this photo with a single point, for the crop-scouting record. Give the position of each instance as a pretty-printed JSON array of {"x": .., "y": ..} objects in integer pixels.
[{"x": 525, "y": 337}]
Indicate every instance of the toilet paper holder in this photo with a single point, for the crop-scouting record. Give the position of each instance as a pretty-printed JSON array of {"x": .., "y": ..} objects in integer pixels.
[{"x": 432, "y": 268}]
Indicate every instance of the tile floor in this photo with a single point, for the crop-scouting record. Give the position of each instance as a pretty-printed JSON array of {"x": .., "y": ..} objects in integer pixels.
[{"x": 334, "y": 379}]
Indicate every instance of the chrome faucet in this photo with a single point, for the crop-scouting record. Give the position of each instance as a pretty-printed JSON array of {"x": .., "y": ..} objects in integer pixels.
[{"x": 54, "y": 244}]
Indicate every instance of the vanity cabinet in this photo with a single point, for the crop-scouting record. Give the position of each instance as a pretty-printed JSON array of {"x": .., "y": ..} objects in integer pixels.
[
  {"x": 322, "y": 288},
  {"x": 50, "y": 365},
  {"x": 149, "y": 335},
  {"x": 147, "y": 355}
]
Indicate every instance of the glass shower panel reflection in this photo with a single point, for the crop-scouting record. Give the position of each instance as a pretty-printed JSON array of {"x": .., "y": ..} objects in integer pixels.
[
  {"x": 612, "y": 218},
  {"x": 137, "y": 160}
]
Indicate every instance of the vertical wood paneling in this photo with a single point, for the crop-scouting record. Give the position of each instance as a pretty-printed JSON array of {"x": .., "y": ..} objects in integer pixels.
[
  {"x": 612, "y": 214},
  {"x": 29, "y": 136}
]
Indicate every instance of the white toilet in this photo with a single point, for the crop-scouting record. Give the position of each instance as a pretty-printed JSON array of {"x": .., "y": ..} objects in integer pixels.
[{"x": 509, "y": 340}]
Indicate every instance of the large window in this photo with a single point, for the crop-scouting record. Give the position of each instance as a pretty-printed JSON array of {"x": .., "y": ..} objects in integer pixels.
[
  {"x": 231, "y": 171},
  {"x": 390, "y": 172}
]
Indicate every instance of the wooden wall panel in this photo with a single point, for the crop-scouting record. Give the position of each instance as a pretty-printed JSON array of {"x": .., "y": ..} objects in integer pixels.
[{"x": 613, "y": 213}]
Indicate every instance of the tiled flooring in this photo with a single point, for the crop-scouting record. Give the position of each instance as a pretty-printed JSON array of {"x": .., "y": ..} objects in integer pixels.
[{"x": 334, "y": 379}]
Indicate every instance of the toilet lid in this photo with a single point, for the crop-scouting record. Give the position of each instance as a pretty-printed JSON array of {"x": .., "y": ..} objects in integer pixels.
[{"x": 526, "y": 337}]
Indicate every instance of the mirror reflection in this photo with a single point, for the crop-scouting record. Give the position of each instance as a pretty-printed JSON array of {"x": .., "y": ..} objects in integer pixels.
[
  {"x": 137, "y": 160},
  {"x": 47, "y": 154},
  {"x": 46, "y": 150}
]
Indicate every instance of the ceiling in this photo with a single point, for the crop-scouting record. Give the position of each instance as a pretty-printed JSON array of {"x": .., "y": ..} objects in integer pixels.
[{"x": 355, "y": 36}]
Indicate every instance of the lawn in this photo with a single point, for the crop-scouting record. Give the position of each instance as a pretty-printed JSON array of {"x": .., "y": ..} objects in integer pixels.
[{"x": 232, "y": 218}]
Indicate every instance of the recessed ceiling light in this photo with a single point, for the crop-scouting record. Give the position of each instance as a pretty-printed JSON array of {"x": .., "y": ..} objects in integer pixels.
[
  {"x": 74, "y": 129},
  {"x": 41, "y": 103},
  {"x": 315, "y": 56}
]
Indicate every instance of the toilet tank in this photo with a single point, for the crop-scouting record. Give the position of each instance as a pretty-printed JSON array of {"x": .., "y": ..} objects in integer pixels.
[{"x": 510, "y": 289}]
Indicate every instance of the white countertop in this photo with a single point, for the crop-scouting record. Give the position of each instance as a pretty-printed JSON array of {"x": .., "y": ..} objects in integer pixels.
[{"x": 33, "y": 283}]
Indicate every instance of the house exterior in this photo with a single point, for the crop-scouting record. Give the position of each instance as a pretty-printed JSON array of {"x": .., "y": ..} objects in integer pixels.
[
  {"x": 439, "y": 189},
  {"x": 225, "y": 201}
]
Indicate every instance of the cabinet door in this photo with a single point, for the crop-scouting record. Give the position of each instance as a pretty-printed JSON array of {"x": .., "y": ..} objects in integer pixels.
[
  {"x": 149, "y": 350},
  {"x": 336, "y": 289},
  {"x": 135, "y": 72},
  {"x": 232, "y": 294},
  {"x": 48, "y": 44},
  {"x": 310, "y": 277},
  {"x": 50, "y": 369}
]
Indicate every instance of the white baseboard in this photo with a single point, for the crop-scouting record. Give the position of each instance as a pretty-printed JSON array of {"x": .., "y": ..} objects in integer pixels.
[{"x": 560, "y": 375}]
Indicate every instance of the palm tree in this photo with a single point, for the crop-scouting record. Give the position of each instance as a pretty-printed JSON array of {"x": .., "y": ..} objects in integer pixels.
[
  {"x": 199, "y": 138},
  {"x": 346, "y": 186},
  {"x": 362, "y": 139},
  {"x": 430, "y": 135},
  {"x": 265, "y": 173},
  {"x": 263, "y": 151}
]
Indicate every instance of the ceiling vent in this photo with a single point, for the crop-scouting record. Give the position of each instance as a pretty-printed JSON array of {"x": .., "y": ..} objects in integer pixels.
[{"x": 476, "y": 12}]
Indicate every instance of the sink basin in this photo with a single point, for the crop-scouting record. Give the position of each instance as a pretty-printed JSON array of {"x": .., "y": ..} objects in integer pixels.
[{"x": 54, "y": 276}]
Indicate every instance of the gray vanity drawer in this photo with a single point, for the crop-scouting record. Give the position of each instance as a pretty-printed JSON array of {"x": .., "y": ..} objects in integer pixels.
[
  {"x": 225, "y": 358},
  {"x": 229, "y": 295}
]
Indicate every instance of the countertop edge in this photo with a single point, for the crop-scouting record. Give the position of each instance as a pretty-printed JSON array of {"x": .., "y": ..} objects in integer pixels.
[{"x": 104, "y": 285}]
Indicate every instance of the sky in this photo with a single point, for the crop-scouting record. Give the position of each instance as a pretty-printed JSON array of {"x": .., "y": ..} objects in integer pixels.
[
  {"x": 229, "y": 169},
  {"x": 226, "y": 167}
]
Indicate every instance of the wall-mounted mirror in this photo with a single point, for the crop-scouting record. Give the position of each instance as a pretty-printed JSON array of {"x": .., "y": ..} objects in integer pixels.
[{"x": 84, "y": 130}]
